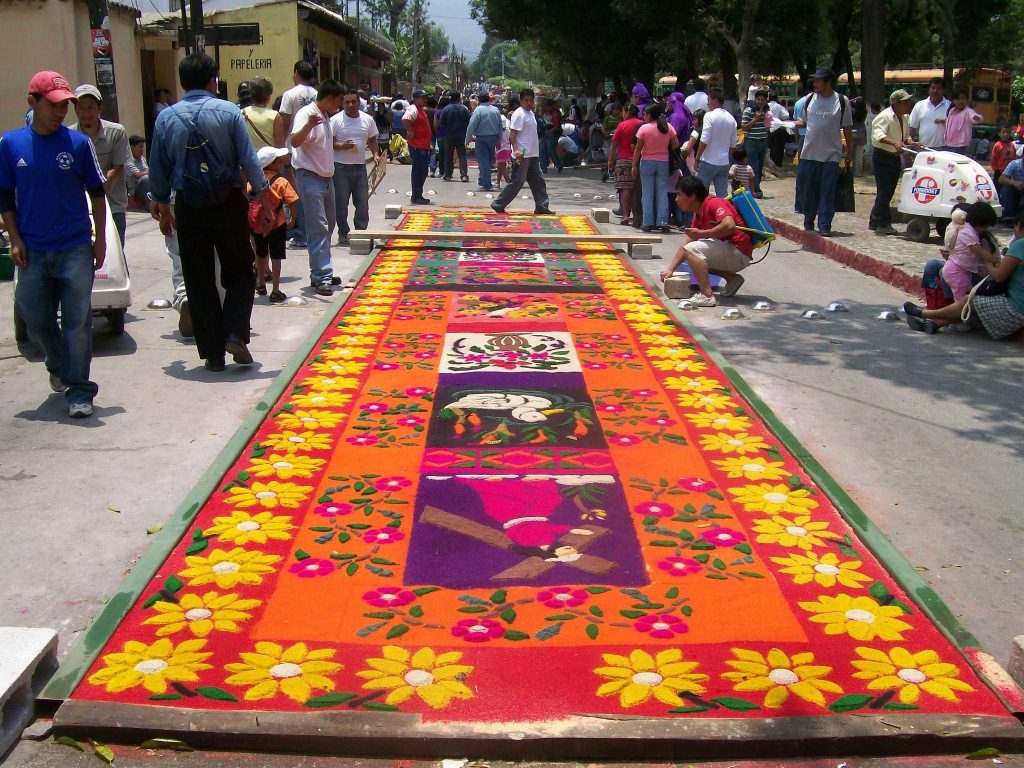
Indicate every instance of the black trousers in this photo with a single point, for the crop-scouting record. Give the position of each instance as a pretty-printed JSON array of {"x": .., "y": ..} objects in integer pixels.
[
  {"x": 777, "y": 146},
  {"x": 450, "y": 146},
  {"x": 887, "y": 168},
  {"x": 223, "y": 229}
]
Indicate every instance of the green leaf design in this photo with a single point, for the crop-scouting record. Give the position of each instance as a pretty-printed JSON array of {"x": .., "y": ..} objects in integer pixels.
[
  {"x": 301, "y": 554},
  {"x": 397, "y": 631},
  {"x": 329, "y": 700},
  {"x": 717, "y": 576},
  {"x": 217, "y": 694},
  {"x": 381, "y": 706},
  {"x": 752, "y": 574},
  {"x": 597, "y": 590},
  {"x": 743, "y": 548},
  {"x": 718, "y": 563},
  {"x": 879, "y": 591},
  {"x": 421, "y": 591},
  {"x": 850, "y": 702},
  {"x": 738, "y": 705},
  {"x": 596, "y": 611},
  {"x": 513, "y": 634},
  {"x": 344, "y": 538},
  {"x": 548, "y": 632},
  {"x": 687, "y": 710},
  {"x": 560, "y": 617},
  {"x": 702, "y": 558},
  {"x": 499, "y": 597},
  {"x": 379, "y": 615},
  {"x": 416, "y": 611},
  {"x": 382, "y": 561},
  {"x": 197, "y": 547},
  {"x": 369, "y": 629},
  {"x": 197, "y": 534},
  {"x": 686, "y": 610},
  {"x": 592, "y": 631},
  {"x": 165, "y": 697},
  {"x": 351, "y": 569},
  {"x": 508, "y": 615},
  {"x": 632, "y": 614},
  {"x": 473, "y": 609},
  {"x": 672, "y": 593},
  {"x": 321, "y": 528},
  {"x": 342, "y": 555},
  {"x": 898, "y": 706},
  {"x": 173, "y": 584},
  {"x": 663, "y": 543}
]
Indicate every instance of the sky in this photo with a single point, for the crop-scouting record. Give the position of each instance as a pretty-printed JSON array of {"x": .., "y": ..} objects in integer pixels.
[{"x": 453, "y": 17}]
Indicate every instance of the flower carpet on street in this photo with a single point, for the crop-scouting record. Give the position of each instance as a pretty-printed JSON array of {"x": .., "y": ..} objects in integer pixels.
[{"x": 508, "y": 485}]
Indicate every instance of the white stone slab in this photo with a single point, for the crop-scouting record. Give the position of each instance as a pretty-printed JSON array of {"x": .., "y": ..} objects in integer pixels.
[{"x": 28, "y": 657}]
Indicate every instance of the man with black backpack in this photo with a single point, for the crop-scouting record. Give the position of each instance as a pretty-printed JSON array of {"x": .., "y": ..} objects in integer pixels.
[{"x": 199, "y": 146}]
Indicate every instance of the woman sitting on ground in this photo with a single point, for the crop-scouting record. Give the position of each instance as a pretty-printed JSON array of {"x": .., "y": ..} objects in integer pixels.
[{"x": 1000, "y": 315}]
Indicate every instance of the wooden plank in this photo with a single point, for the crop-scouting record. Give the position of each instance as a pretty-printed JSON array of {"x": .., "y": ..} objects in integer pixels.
[
  {"x": 589, "y": 736},
  {"x": 511, "y": 237}
]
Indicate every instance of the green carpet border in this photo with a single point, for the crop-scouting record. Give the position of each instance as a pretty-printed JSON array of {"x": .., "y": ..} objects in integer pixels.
[{"x": 82, "y": 655}]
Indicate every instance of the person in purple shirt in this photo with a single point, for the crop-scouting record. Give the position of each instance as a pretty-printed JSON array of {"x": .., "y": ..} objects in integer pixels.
[{"x": 46, "y": 171}]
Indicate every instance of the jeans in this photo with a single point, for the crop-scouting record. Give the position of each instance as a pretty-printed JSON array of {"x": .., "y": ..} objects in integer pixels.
[
  {"x": 485, "y": 147},
  {"x": 714, "y": 174},
  {"x": 221, "y": 233},
  {"x": 527, "y": 171},
  {"x": 818, "y": 188},
  {"x": 420, "y": 161},
  {"x": 548, "y": 153},
  {"x": 654, "y": 178},
  {"x": 317, "y": 194},
  {"x": 61, "y": 278},
  {"x": 456, "y": 144},
  {"x": 1012, "y": 200},
  {"x": 177, "y": 279},
  {"x": 757, "y": 149},
  {"x": 887, "y": 168},
  {"x": 120, "y": 224},
  {"x": 350, "y": 182},
  {"x": 435, "y": 145}
]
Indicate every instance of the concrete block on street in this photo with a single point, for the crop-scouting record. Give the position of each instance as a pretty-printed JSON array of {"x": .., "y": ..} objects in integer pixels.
[
  {"x": 641, "y": 251},
  {"x": 677, "y": 287},
  {"x": 359, "y": 246},
  {"x": 1016, "y": 665},
  {"x": 392, "y": 211},
  {"x": 601, "y": 215},
  {"x": 28, "y": 658}
]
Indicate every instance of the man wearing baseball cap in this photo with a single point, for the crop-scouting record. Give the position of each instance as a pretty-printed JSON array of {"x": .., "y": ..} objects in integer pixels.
[
  {"x": 890, "y": 133},
  {"x": 110, "y": 140},
  {"x": 45, "y": 172},
  {"x": 417, "y": 124}
]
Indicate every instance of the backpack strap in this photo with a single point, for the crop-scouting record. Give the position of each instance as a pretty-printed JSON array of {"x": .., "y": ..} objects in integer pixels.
[{"x": 259, "y": 133}]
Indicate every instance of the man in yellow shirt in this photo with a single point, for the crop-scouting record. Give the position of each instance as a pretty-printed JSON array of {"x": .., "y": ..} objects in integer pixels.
[{"x": 890, "y": 133}]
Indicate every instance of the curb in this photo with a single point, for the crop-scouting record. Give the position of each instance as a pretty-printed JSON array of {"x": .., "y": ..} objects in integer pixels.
[{"x": 858, "y": 260}]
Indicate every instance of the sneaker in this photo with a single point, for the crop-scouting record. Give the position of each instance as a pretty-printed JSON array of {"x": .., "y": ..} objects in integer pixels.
[
  {"x": 185, "y": 320},
  {"x": 421, "y": 200},
  {"x": 464, "y": 179},
  {"x": 238, "y": 351},
  {"x": 732, "y": 285},
  {"x": 497, "y": 208},
  {"x": 215, "y": 364},
  {"x": 277, "y": 297},
  {"x": 885, "y": 230},
  {"x": 261, "y": 289},
  {"x": 295, "y": 245},
  {"x": 80, "y": 410},
  {"x": 825, "y": 231},
  {"x": 342, "y": 240},
  {"x": 324, "y": 289},
  {"x": 334, "y": 280},
  {"x": 617, "y": 211},
  {"x": 56, "y": 384},
  {"x": 700, "y": 300},
  {"x": 872, "y": 226}
]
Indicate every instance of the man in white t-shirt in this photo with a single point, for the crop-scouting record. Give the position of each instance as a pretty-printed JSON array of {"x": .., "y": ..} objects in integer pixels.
[
  {"x": 354, "y": 132},
  {"x": 699, "y": 98},
  {"x": 526, "y": 158},
  {"x": 292, "y": 100},
  {"x": 313, "y": 159},
  {"x": 925, "y": 117},
  {"x": 717, "y": 138}
]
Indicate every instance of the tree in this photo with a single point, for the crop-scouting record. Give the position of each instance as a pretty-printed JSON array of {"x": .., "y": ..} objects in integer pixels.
[
  {"x": 872, "y": 53},
  {"x": 391, "y": 10}
]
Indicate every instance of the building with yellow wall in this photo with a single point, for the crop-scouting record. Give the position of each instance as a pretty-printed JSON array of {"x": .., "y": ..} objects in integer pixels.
[
  {"x": 55, "y": 34},
  {"x": 290, "y": 30}
]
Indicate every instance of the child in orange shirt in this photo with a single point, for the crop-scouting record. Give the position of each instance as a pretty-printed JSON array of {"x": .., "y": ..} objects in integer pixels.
[
  {"x": 1004, "y": 152},
  {"x": 271, "y": 242}
]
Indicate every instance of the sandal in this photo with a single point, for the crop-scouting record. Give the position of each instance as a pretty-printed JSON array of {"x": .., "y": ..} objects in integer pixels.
[
  {"x": 912, "y": 310},
  {"x": 922, "y": 325},
  {"x": 624, "y": 222},
  {"x": 277, "y": 297},
  {"x": 261, "y": 290}
]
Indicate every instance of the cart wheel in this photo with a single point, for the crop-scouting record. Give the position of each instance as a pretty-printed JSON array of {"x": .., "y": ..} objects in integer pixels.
[
  {"x": 116, "y": 320},
  {"x": 918, "y": 230},
  {"x": 940, "y": 227},
  {"x": 20, "y": 327}
]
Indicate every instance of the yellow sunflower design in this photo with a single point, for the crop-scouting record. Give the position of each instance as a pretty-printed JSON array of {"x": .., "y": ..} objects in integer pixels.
[
  {"x": 295, "y": 671},
  {"x": 773, "y": 499},
  {"x": 201, "y": 614},
  {"x": 228, "y": 568},
  {"x": 909, "y": 673},
  {"x": 862, "y": 618},
  {"x": 779, "y": 675},
  {"x": 799, "y": 531},
  {"x": 269, "y": 496},
  {"x": 153, "y": 667},
  {"x": 434, "y": 678},
  {"x": 285, "y": 466},
  {"x": 243, "y": 528},
  {"x": 825, "y": 570},
  {"x": 740, "y": 442},
  {"x": 639, "y": 676}
]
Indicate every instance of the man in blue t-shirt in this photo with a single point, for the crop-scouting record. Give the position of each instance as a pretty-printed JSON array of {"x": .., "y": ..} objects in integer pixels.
[
  {"x": 1011, "y": 190},
  {"x": 46, "y": 171}
]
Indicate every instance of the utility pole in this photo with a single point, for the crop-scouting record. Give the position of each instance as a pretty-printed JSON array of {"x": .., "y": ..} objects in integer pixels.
[
  {"x": 415, "y": 41},
  {"x": 198, "y": 36},
  {"x": 103, "y": 56},
  {"x": 359, "y": 57}
]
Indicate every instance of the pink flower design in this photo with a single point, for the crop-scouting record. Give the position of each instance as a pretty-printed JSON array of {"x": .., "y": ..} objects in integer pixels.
[
  {"x": 661, "y": 421},
  {"x": 394, "y": 344},
  {"x": 394, "y": 483},
  {"x": 425, "y": 355},
  {"x": 562, "y": 598},
  {"x": 333, "y": 510},
  {"x": 473, "y": 357},
  {"x": 374, "y": 407},
  {"x": 579, "y": 315},
  {"x": 642, "y": 392},
  {"x": 404, "y": 317},
  {"x": 664, "y": 626},
  {"x": 596, "y": 366},
  {"x": 586, "y": 345},
  {"x": 610, "y": 408},
  {"x": 429, "y": 336},
  {"x": 618, "y": 337},
  {"x": 654, "y": 509},
  {"x": 696, "y": 484},
  {"x": 625, "y": 355},
  {"x": 624, "y": 440},
  {"x": 723, "y": 537},
  {"x": 539, "y": 356},
  {"x": 311, "y": 567},
  {"x": 389, "y": 597},
  {"x": 478, "y": 630},
  {"x": 385, "y": 366},
  {"x": 418, "y": 391},
  {"x": 409, "y": 421},
  {"x": 362, "y": 439},
  {"x": 680, "y": 566},
  {"x": 382, "y": 536}
]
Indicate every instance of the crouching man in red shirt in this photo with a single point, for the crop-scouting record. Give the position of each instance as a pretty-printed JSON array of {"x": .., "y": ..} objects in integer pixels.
[{"x": 713, "y": 245}]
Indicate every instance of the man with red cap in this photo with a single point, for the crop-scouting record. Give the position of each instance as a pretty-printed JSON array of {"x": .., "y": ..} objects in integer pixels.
[{"x": 46, "y": 170}]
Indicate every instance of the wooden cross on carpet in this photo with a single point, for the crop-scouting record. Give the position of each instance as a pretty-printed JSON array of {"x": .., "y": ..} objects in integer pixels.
[{"x": 532, "y": 566}]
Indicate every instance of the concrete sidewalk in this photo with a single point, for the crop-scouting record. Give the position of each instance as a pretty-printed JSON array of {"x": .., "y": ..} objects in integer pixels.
[{"x": 921, "y": 430}]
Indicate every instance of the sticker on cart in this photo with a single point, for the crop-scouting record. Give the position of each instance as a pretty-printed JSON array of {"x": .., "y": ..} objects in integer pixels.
[
  {"x": 925, "y": 190},
  {"x": 984, "y": 186}
]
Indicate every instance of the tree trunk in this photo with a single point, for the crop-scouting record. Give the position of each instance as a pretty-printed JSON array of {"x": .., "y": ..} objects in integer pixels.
[
  {"x": 841, "y": 19},
  {"x": 872, "y": 58},
  {"x": 946, "y": 11},
  {"x": 727, "y": 64}
]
